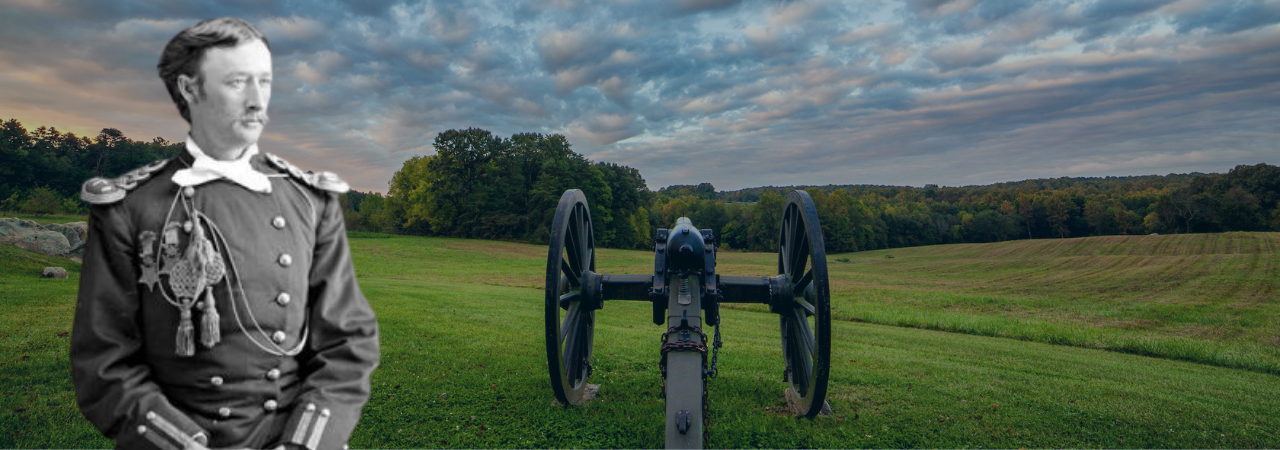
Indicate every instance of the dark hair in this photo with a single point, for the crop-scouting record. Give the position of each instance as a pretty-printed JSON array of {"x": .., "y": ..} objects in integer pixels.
[{"x": 185, "y": 52}]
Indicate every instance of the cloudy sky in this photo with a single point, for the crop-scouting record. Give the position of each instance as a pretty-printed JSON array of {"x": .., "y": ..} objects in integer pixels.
[{"x": 736, "y": 93}]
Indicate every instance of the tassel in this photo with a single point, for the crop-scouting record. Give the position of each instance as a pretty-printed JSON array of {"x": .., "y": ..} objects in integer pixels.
[
  {"x": 210, "y": 334},
  {"x": 186, "y": 334}
]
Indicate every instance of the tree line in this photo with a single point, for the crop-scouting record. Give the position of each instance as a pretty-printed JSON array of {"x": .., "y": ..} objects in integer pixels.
[
  {"x": 479, "y": 185},
  {"x": 482, "y": 186},
  {"x": 41, "y": 170},
  {"x": 861, "y": 217}
]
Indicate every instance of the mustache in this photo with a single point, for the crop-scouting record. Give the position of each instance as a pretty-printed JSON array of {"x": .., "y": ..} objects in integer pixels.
[{"x": 257, "y": 117}]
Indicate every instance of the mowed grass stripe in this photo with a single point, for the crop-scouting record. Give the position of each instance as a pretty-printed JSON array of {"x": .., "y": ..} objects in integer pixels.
[{"x": 1206, "y": 298}]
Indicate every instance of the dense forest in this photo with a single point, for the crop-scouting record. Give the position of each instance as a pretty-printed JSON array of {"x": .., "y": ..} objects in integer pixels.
[
  {"x": 41, "y": 170},
  {"x": 482, "y": 186},
  {"x": 478, "y": 185}
]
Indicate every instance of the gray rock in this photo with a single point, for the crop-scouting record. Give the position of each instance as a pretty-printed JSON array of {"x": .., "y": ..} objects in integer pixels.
[
  {"x": 53, "y": 239},
  {"x": 11, "y": 229},
  {"x": 48, "y": 242},
  {"x": 76, "y": 232},
  {"x": 54, "y": 272}
]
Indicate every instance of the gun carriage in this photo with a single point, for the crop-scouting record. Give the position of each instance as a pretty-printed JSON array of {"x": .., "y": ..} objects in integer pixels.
[{"x": 686, "y": 292}]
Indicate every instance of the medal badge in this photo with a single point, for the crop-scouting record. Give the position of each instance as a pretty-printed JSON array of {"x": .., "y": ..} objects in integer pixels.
[{"x": 185, "y": 279}]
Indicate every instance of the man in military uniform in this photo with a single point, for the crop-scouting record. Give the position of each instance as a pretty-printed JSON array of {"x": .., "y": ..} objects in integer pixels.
[{"x": 218, "y": 306}]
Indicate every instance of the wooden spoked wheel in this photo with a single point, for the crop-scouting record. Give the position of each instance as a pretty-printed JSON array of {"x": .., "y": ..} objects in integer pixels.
[
  {"x": 570, "y": 259},
  {"x": 806, "y": 321}
]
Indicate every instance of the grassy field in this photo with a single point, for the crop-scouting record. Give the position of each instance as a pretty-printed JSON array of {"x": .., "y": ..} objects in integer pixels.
[
  {"x": 462, "y": 343},
  {"x": 45, "y": 219},
  {"x": 1208, "y": 298}
]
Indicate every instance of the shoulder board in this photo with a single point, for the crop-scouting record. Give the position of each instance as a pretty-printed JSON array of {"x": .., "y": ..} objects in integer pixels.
[
  {"x": 325, "y": 181},
  {"x": 102, "y": 191}
]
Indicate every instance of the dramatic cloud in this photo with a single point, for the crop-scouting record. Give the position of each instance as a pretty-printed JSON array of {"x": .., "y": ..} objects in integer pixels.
[{"x": 736, "y": 93}]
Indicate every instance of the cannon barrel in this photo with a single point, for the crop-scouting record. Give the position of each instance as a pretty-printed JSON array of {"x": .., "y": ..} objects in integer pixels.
[{"x": 686, "y": 250}]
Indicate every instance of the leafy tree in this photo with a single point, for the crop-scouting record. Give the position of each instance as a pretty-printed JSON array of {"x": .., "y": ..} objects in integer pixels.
[
  {"x": 991, "y": 226},
  {"x": 1239, "y": 210},
  {"x": 461, "y": 185},
  {"x": 1059, "y": 208},
  {"x": 837, "y": 216},
  {"x": 409, "y": 190},
  {"x": 1153, "y": 223},
  {"x": 765, "y": 219},
  {"x": 14, "y": 142},
  {"x": 1027, "y": 208},
  {"x": 629, "y": 195},
  {"x": 575, "y": 172}
]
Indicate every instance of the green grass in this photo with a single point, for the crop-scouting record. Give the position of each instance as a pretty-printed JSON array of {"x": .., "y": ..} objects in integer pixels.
[
  {"x": 1208, "y": 298},
  {"x": 37, "y": 405},
  {"x": 45, "y": 219},
  {"x": 463, "y": 318}
]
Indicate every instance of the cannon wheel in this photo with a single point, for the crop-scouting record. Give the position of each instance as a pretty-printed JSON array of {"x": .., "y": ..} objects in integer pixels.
[
  {"x": 571, "y": 254},
  {"x": 806, "y": 324}
]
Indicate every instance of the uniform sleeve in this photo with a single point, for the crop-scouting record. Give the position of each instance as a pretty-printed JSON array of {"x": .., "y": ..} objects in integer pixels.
[
  {"x": 343, "y": 348},
  {"x": 112, "y": 380}
]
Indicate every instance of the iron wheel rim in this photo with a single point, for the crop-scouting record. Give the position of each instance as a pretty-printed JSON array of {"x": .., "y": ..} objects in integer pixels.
[
  {"x": 806, "y": 324},
  {"x": 571, "y": 254}
]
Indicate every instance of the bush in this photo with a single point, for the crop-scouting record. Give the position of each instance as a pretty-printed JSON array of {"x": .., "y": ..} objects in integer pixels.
[
  {"x": 12, "y": 203},
  {"x": 41, "y": 201}
]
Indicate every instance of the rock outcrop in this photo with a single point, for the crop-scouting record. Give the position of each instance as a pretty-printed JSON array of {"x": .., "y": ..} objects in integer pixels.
[{"x": 66, "y": 240}]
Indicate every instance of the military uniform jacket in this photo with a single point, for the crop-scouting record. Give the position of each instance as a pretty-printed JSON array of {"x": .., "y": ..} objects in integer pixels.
[{"x": 298, "y": 340}]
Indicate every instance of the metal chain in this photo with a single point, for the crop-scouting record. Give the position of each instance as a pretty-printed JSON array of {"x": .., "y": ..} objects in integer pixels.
[
  {"x": 711, "y": 373},
  {"x": 682, "y": 346},
  {"x": 706, "y": 409},
  {"x": 715, "y": 354}
]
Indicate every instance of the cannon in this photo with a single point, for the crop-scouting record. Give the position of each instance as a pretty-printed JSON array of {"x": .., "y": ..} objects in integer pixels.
[{"x": 686, "y": 292}]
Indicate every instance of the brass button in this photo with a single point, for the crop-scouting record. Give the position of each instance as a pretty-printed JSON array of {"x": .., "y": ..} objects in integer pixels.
[
  {"x": 273, "y": 374},
  {"x": 216, "y": 381},
  {"x": 278, "y": 337},
  {"x": 270, "y": 405},
  {"x": 283, "y": 298},
  {"x": 285, "y": 260},
  {"x": 278, "y": 222},
  {"x": 189, "y": 191},
  {"x": 224, "y": 411}
]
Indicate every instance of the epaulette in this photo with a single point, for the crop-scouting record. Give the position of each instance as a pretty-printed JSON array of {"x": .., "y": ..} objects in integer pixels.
[
  {"x": 325, "y": 181},
  {"x": 103, "y": 191}
]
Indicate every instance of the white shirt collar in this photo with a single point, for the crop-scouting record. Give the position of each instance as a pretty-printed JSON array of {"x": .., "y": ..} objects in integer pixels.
[
  {"x": 205, "y": 169},
  {"x": 199, "y": 154}
]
